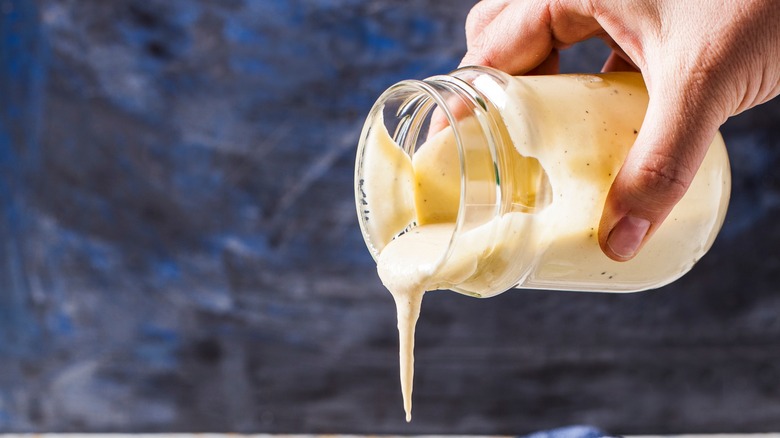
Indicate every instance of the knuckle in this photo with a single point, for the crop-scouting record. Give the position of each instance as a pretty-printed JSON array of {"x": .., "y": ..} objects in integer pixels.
[
  {"x": 481, "y": 15},
  {"x": 661, "y": 179},
  {"x": 475, "y": 19},
  {"x": 480, "y": 52}
]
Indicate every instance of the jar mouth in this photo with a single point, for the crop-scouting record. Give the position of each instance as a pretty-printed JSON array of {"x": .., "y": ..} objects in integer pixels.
[{"x": 412, "y": 112}]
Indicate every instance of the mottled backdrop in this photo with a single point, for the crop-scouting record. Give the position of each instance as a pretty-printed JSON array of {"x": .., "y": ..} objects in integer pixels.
[{"x": 179, "y": 249}]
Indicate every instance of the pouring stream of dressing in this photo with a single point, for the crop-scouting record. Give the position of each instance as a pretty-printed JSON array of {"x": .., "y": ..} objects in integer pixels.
[{"x": 407, "y": 264}]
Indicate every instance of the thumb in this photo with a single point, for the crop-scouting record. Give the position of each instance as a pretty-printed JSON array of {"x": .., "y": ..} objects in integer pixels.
[{"x": 675, "y": 136}]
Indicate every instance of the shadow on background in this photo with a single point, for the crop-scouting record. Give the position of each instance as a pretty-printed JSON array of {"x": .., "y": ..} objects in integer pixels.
[{"x": 180, "y": 249}]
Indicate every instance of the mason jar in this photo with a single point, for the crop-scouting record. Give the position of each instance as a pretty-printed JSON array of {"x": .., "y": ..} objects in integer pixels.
[{"x": 511, "y": 174}]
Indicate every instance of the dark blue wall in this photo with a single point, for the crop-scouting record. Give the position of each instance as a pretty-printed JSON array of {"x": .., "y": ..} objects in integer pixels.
[{"x": 179, "y": 249}]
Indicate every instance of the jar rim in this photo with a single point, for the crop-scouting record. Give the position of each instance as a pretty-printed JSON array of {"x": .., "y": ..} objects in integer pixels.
[{"x": 420, "y": 98}]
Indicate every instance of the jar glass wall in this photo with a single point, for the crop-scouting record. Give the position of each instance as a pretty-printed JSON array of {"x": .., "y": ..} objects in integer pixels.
[{"x": 514, "y": 172}]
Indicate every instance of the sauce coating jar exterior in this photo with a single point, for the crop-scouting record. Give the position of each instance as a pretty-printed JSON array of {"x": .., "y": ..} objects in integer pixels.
[{"x": 513, "y": 172}]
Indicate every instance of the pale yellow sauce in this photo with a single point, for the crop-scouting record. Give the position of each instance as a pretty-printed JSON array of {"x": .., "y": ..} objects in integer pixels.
[{"x": 579, "y": 151}]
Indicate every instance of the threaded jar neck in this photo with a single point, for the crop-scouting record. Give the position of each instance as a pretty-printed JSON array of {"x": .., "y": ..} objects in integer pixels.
[{"x": 411, "y": 114}]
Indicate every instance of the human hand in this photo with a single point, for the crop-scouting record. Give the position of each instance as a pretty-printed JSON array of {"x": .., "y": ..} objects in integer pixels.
[{"x": 702, "y": 62}]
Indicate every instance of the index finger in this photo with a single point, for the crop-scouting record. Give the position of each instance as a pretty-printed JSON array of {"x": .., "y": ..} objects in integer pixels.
[{"x": 524, "y": 33}]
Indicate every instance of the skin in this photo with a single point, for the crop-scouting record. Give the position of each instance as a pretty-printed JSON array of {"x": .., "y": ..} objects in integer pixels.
[{"x": 703, "y": 61}]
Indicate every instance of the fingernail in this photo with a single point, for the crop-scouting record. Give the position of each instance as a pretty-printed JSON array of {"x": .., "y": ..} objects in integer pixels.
[{"x": 625, "y": 238}]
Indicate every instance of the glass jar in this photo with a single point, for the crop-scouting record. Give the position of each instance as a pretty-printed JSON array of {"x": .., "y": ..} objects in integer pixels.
[{"x": 512, "y": 173}]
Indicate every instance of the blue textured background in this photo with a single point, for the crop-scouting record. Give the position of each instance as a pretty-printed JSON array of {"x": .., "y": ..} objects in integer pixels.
[{"x": 179, "y": 249}]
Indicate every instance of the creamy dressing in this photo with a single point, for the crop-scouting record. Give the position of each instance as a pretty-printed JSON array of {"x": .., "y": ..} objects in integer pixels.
[{"x": 592, "y": 123}]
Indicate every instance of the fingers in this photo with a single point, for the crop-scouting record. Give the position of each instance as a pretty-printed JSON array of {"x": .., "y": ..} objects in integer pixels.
[
  {"x": 511, "y": 41},
  {"x": 656, "y": 173},
  {"x": 481, "y": 15},
  {"x": 521, "y": 35}
]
